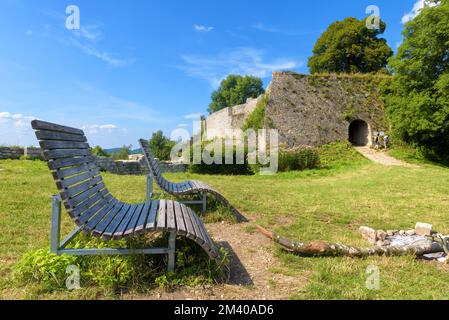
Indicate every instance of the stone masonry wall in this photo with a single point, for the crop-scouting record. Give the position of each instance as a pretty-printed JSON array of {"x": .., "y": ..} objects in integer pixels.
[
  {"x": 121, "y": 167},
  {"x": 230, "y": 118},
  {"x": 316, "y": 110},
  {"x": 16, "y": 153}
]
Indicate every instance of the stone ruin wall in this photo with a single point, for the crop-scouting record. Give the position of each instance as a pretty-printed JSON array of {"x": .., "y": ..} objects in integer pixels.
[
  {"x": 121, "y": 167},
  {"x": 309, "y": 110},
  {"x": 218, "y": 123},
  {"x": 317, "y": 110}
]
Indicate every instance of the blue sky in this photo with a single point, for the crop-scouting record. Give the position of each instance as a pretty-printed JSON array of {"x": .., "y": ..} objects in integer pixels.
[{"x": 141, "y": 65}]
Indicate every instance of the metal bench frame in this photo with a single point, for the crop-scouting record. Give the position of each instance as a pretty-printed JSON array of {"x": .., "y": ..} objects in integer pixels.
[
  {"x": 202, "y": 195},
  {"x": 59, "y": 247}
]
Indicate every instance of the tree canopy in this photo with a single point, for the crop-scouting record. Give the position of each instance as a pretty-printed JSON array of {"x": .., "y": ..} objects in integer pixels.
[
  {"x": 161, "y": 146},
  {"x": 235, "y": 90},
  {"x": 348, "y": 46},
  {"x": 418, "y": 97},
  {"x": 99, "y": 152}
]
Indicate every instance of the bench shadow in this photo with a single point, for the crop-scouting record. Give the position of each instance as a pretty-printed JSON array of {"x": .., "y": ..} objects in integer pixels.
[{"x": 238, "y": 274}]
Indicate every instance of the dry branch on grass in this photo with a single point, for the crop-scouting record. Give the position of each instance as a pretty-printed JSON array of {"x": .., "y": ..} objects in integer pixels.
[{"x": 326, "y": 249}]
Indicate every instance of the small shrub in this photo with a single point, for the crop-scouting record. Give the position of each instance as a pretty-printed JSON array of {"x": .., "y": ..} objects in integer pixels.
[
  {"x": 221, "y": 169},
  {"x": 112, "y": 273},
  {"x": 257, "y": 118},
  {"x": 298, "y": 159}
]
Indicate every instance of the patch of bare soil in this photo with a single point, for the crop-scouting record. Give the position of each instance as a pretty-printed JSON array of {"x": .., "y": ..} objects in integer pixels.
[{"x": 255, "y": 272}]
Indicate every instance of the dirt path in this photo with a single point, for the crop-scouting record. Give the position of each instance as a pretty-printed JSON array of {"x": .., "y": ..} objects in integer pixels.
[
  {"x": 255, "y": 273},
  {"x": 382, "y": 158}
]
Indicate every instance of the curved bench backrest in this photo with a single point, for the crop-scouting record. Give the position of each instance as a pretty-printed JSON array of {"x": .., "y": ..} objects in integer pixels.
[
  {"x": 151, "y": 160},
  {"x": 73, "y": 167}
]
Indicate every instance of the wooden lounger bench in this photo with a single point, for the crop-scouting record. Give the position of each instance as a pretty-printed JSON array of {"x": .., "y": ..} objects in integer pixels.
[
  {"x": 97, "y": 212},
  {"x": 183, "y": 188}
]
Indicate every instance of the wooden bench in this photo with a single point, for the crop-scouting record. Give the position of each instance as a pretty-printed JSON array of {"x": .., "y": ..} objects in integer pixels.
[
  {"x": 97, "y": 212},
  {"x": 183, "y": 188}
]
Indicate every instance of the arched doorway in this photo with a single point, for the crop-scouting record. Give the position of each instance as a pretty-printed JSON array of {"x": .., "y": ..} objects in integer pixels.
[{"x": 358, "y": 133}]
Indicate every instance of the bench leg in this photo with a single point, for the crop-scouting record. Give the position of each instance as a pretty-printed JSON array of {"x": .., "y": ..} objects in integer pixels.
[
  {"x": 204, "y": 202},
  {"x": 149, "y": 186},
  {"x": 55, "y": 224},
  {"x": 171, "y": 251}
]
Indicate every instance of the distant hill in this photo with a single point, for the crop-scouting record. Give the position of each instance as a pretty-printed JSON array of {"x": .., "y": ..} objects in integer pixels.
[{"x": 114, "y": 150}]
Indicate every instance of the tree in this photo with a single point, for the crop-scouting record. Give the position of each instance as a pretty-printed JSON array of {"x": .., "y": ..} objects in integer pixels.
[
  {"x": 418, "y": 97},
  {"x": 161, "y": 146},
  {"x": 348, "y": 46},
  {"x": 123, "y": 153},
  {"x": 235, "y": 90},
  {"x": 99, "y": 152}
]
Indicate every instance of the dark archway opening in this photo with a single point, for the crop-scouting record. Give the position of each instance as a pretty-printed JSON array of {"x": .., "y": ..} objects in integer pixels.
[{"x": 358, "y": 133}]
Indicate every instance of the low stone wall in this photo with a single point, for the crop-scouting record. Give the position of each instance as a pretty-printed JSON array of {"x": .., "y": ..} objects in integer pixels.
[
  {"x": 121, "y": 167},
  {"x": 133, "y": 167},
  {"x": 16, "y": 153}
]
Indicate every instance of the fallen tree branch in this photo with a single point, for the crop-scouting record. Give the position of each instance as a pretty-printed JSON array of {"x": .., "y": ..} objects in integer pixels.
[{"x": 323, "y": 248}]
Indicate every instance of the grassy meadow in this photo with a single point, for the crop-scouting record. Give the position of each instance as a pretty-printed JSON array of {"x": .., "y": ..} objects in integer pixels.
[{"x": 330, "y": 204}]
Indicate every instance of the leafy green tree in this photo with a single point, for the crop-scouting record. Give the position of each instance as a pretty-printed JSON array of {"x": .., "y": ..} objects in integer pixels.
[
  {"x": 161, "y": 146},
  {"x": 99, "y": 152},
  {"x": 418, "y": 97},
  {"x": 122, "y": 154},
  {"x": 348, "y": 46},
  {"x": 235, "y": 90}
]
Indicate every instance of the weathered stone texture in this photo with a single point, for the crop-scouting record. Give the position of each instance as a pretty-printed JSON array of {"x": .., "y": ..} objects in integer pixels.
[{"x": 316, "y": 110}]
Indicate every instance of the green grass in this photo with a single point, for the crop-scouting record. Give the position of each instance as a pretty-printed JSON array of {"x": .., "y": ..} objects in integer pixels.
[{"x": 330, "y": 204}]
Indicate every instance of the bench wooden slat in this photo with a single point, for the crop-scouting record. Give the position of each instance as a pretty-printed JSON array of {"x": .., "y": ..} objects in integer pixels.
[
  {"x": 130, "y": 229},
  {"x": 71, "y": 192},
  {"x": 64, "y": 173},
  {"x": 140, "y": 226},
  {"x": 180, "y": 224},
  {"x": 100, "y": 205},
  {"x": 171, "y": 219},
  {"x": 53, "y": 144},
  {"x": 198, "y": 234},
  {"x": 51, "y": 135},
  {"x": 75, "y": 201},
  {"x": 66, "y": 153},
  {"x": 151, "y": 222},
  {"x": 69, "y": 162},
  {"x": 92, "y": 224},
  {"x": 102, "y": 226},
  {"x": 108, "y": 233},
  {"x": 162, "y": 216},
  {"x": 78, "y": 210},
  {"x": 118, "y": 234},
  {"x": 67, "y": 183},
  {"x": 42, "y": 125},
  {"x": 189, "y": 226}
]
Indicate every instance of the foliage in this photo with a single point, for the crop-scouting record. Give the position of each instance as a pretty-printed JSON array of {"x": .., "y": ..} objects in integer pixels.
[
  {"x": 348, "y": 46},
  {"x": 235, "y": 90},
  {"x": 113, "y": 272},
  {"x": 217, "y": 168},
  {"x": 122, "y": 154},
  {"x": 339, "y": 153},
  {"x": 99, "y": 152},
  {"x": 256, "y": 119},
  {"x": 161, "y": 146},
  {"x": 300, "y": 158},
  {"x": 418, "y": 97}
]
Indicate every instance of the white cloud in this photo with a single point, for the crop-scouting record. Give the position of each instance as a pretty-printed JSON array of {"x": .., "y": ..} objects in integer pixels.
[
  {"x": 201, "y": 28},
  {"x": 417, "y": 7},
  {"x": 97, "y": 128},
  {"x": 193, "y": 116},
  {"x": 90, "y": 32},
  {"x": 243, "y": 61},
  {"x": 104, "y": 56},
  {"x": 5, "y": 115},
  {"x": 29, "y": 32}
]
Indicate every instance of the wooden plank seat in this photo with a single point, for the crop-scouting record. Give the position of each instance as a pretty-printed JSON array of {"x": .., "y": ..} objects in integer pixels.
[
  {"x": 97, "y": 212},
  {"x": 193, "y": 187}
]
